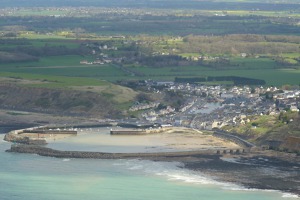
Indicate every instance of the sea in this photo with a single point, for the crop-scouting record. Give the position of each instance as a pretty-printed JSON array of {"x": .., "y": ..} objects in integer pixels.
[{"x": 33, "y": 177}]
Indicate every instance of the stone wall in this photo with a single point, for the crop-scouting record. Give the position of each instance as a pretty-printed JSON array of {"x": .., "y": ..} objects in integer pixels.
[
  {"x": 139, "y": 131},
  {"x": 43, "y": 151},
  {"x": 39, "y": 131},
  {"x": 19, "y": 136},
  {"x": 16, "y": 138},
  {"x": 128, "y": 132},
  {"x": 226, "y": 136}
]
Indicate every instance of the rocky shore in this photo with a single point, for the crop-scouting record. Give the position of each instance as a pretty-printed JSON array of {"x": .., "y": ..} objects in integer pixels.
[
  {"x": 254, "y": 170},
  {"x": 262, "y": 170}
]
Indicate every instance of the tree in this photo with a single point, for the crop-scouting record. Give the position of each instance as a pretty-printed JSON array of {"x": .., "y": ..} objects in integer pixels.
[{"x": 143, "y": 97}]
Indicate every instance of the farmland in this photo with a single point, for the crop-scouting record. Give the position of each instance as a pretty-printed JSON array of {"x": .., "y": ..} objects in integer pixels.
[
  {"x": 93, "y": 57},
  {"x": 253, "y": 39},
  {"x": 113, "y": 73}
]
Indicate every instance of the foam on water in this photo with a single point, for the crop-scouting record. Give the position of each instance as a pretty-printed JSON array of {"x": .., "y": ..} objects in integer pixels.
[
  {"x": 3, "y": 141},
  {"x": 150, "y": 180},
  {"x": 284, "y": 194},
  {"x": 289, "y": 195},
  {"x": 174, "y": 171}
]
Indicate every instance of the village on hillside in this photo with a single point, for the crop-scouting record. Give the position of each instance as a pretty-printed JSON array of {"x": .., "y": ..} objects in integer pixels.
[{"x": 208, "y": 107}]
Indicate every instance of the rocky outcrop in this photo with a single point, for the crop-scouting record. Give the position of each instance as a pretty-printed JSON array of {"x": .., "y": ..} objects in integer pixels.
[
  {"x": 291, "y": 144},
  {"x": 16, "y": 138},
  {"x": 35, "y": 136}
]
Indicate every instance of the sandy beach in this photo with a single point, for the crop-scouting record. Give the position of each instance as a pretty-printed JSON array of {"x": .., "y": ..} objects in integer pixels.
[
  {"x": 267, "y": 169},
  {"x": 175, "y": 139}
]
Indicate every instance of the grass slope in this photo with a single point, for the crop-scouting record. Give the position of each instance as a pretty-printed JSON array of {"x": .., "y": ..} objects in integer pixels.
[{"x": 116, "y": 93}]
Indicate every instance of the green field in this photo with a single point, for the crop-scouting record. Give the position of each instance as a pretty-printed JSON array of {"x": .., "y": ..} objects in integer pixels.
[
  {"x": 122, "y": 96},
  {"x": 68, "y": 66},
  {"x": 267, "y": 34},
  {"x": 253, "y": 63},
  {"x": 53, "y": 81},
  {"x": 109, "y": 73},
  {"x": 51, "y": 61},
  {"x": 276, "y": 77}
]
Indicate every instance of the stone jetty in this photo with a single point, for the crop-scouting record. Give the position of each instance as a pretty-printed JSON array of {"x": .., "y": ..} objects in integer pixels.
[{"x": 44, "y": 151}]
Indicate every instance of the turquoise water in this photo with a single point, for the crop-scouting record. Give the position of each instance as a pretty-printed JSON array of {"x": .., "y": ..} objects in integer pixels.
[{"x": 32, "y": 177}]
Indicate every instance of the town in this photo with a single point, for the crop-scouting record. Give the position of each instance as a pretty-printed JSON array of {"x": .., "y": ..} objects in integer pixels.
[{"x": 209, "y": 107}]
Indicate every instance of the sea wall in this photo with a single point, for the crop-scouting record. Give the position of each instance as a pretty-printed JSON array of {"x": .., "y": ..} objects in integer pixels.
[
  {"x": 226, "y": 136},
  {"x": 49, "y": 132},
  {"x": 24, "y": 140},
  {"x": 128, "y": 132},
  {"x": 36, "y": 136},
  {"x": 17, "y": 137},
  {"x": 139, "y": 131},
  {"x": 44, "y": 151}
]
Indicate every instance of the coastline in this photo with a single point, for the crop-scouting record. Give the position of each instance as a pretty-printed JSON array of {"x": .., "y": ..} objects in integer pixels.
[
  {"x": 263, "y": 170},
  {"x": 256, "y": 171}
]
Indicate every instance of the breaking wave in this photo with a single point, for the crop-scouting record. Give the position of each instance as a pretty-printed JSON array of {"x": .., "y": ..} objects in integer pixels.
[{"x": 174, "y": 171}]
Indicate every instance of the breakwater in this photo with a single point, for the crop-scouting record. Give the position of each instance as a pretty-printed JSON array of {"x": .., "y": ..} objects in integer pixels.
[
  {"x": 139, "y": 131},
  {"x": 44, "y": 151},
  {"x": 17, "y": 136},
  {"x": 128, "y": 132},
  {"x": 34, "y": 135}
]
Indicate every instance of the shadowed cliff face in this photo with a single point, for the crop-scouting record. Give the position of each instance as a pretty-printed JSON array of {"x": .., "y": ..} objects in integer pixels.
[{"x": 56, "y": 101}]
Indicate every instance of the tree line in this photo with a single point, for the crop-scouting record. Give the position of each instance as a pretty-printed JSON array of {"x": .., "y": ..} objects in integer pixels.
[{"x": 239, "y": 43}]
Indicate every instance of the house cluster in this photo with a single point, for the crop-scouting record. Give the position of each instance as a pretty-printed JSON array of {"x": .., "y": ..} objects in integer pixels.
[
  {"x": 207, "y": 58},
  {"x": 189, "y": 104},
  {"x": 234, "y": 111},
  {"x": 143, "y": 106},
  {"x": 95, "y": 62},
  {"x": 288, "y": 100},
  {"x": 209, "y": 107},
  {"x": 152, "y": 115}
]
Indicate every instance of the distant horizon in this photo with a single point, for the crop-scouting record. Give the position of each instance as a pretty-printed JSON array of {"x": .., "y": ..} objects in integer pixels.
[{"x": 163, "y": 4}]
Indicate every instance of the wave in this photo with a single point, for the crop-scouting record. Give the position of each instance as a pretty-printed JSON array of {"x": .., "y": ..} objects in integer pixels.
[
  {"x": 289, "y": 195},
  {"x": 175, "y": 171},
  {"x": 3, "y": 141},
  {"x": 284, "y": 194}
]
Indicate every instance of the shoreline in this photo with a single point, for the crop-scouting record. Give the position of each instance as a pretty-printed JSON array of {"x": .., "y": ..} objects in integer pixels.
[{"x": 263, "y": 170}]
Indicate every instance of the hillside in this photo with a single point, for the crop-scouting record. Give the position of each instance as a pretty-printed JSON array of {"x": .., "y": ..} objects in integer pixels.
[
  {"x": 64, "y": 98},
  {"x": 277, "y": 132}
]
